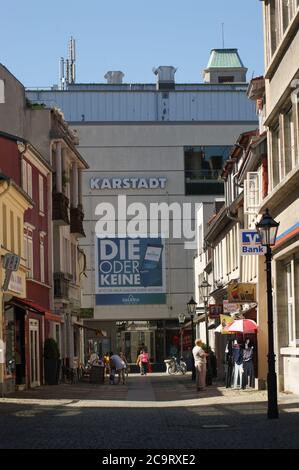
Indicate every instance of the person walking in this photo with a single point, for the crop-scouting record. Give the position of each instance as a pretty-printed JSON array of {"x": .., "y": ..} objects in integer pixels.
[
  {"x": 142, "y": 361},
  {"x": 123, "y": 357},
  {"x": 200, "y": 361}
]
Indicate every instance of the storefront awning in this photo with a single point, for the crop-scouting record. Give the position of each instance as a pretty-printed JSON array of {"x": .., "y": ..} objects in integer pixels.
[
  {"x": 25, "y": 303},
  {"x": 53, "y": 317}
]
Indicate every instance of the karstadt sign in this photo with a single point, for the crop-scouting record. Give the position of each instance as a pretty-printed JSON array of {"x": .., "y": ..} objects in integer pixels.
[{"x": 128, "y": 183}]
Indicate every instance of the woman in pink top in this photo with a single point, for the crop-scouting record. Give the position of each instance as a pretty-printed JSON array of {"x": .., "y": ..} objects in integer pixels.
[{"x": 143, "y": 360}]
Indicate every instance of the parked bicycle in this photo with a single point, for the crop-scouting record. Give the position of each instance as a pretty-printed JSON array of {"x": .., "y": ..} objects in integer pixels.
[{"x": 175, "y": 367}]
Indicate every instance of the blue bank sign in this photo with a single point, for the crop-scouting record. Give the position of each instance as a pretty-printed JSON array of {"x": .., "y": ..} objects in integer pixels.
[
  {"x": 251, "y": 243},
  {"x": 130, "y": 271}
]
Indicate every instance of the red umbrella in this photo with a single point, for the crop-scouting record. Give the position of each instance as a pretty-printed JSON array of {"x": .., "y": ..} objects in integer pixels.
[{"x": 243, "y": 326}]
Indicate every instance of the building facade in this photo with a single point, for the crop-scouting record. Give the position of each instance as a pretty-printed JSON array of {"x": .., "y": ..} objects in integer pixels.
[
  {"x": 13, "y": 204},
  {"x": 281, "y": 31},
  {"x": 51, "y": 172},
  {"x": 149, "y": 144}
]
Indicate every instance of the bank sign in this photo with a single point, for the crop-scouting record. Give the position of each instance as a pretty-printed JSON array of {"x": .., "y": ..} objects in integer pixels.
[
  {"x": 251, "y": 243},
  {"x": 130, "y": 271}
]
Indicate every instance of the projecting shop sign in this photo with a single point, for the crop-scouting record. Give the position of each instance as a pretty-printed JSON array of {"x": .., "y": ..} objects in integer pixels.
[
  {"x": 251, "y": 243},
  {"x": 130, "y": 271}
]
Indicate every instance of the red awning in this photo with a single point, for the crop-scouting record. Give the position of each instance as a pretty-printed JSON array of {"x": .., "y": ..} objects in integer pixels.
[
  {"x": 37, "y": 308},
  {"x": 53, "y": 317}
]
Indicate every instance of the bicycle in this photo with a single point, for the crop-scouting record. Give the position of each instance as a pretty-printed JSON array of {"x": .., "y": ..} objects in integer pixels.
[{"x": 175, "y": 367}]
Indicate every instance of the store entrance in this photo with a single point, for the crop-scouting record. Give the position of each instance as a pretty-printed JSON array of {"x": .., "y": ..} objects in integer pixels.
[{"x": 132, "y": 341}]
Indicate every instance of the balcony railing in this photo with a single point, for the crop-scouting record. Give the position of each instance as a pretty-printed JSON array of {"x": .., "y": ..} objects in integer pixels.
[
  {"x": 61, "y": 208},
  {"x": 77, "y": 217},
  {"x": 203, "y": 182},
  {"x": 202, "y": 175},
  {"x": 61, "y": 286}
]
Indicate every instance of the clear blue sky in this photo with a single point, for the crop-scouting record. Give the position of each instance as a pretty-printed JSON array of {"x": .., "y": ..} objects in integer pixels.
[{"x": 133, "y": 36}]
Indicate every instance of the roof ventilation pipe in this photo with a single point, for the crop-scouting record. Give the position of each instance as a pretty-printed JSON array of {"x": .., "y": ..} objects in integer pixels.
[
  {"x": 114, "y": 77},
  {"x": 165, "y": 77}
]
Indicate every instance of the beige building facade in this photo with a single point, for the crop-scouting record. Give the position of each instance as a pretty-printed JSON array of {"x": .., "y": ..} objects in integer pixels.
[{"x": 281, "y": 21}]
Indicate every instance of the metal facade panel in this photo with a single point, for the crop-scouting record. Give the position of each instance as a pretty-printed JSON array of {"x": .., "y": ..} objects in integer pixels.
[{"x": 151, "y": 106}]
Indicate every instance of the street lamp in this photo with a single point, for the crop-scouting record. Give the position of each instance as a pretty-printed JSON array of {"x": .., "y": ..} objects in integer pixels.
[
  {"x": 204, "y": 290},
  {"x": 181, "y": 322},
  {"x": 191, "y": 306},
  {"x": 267, "y": 229}
]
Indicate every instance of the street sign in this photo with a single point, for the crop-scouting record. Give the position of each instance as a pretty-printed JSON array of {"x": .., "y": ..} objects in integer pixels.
[
  {"x": 215, "y": 310},
  {"x": 11, "y": 262},
  {"x": 250, "y": 243}
]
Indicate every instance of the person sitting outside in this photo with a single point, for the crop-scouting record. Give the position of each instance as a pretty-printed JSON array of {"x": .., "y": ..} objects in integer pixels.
[{"x": 117, "y": 366}]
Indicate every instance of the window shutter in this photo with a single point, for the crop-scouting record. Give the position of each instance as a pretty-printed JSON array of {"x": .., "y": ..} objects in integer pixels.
[
  {"x": 29, "y": 175},
  {"x": 24, "y": 176},
  {"x": 41, "y": 193}
]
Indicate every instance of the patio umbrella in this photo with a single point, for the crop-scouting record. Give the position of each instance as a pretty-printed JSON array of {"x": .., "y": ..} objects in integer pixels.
[{"x": 243, "y": 326}]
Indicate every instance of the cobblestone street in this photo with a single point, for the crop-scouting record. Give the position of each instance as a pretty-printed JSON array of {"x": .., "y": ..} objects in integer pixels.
[{"x": 165, "y": 410}]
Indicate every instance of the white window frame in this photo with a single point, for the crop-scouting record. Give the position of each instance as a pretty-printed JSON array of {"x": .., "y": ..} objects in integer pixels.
[
  {"x": 41, "y": 194},
  {"x": 2, "y": 92},
  {"x": 24, "y": 176},
  {"x": 27, "y": 177},
  {"x": 66, "y": 256},
  {"x": 74, "y": 262},
  {"x": 290, "y": 294},
  {"x": 252, "y": 192},
  {"x": 42, "y": 259},
  {"x": 28, "y": 244}
]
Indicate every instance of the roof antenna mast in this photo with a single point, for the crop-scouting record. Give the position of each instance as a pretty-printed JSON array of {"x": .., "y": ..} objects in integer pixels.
[{"x": 222, "y": 27}]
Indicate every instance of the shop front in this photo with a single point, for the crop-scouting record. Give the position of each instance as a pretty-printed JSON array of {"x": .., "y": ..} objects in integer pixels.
[
  {"x": 24, "y": 333},
  {"x": 161, "y": 338}
]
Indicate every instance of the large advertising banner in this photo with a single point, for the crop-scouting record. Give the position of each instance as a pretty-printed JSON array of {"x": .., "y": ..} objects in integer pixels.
[{"x": 130, "y": 271}]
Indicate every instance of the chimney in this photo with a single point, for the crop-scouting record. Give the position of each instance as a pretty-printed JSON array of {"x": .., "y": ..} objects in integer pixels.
[
  {"x": 114, "y": 77},
  {"x": 165, "y": 77}
]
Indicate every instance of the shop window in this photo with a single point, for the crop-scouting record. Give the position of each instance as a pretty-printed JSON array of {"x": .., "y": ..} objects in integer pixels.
[{"x": 10, "y": 341}]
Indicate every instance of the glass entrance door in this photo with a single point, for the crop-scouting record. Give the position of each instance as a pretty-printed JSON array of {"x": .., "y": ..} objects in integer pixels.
[
  {"x": 132, "y": 341},
  {"x": 34, "y": 353}
]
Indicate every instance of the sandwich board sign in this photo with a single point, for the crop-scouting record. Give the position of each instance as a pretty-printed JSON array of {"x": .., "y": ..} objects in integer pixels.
[{"x": 250, "y": 243}]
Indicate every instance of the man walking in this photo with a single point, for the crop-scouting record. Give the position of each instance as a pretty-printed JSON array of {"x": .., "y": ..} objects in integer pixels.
[{"x": 200, "y": 361}]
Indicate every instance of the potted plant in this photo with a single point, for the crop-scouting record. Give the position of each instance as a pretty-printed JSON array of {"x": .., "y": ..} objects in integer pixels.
[{"x": 51, "y": 361}]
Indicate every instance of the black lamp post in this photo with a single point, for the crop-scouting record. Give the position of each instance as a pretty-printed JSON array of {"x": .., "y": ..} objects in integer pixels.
[
  {"x": 204, "y": 290},
  {"x": 181, "y": 322},
  {"x": 191, "y": 306},
  {"x": 267, "y": 229}
]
